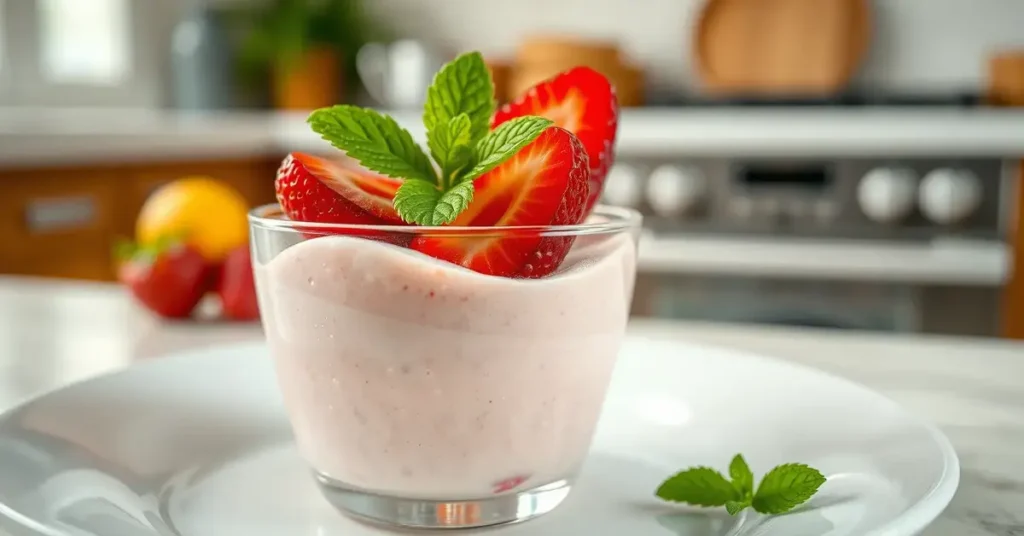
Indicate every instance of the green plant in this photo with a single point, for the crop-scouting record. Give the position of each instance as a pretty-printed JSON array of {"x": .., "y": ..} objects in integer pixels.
[
  {"x": 782, "y": 489},
  {"x": 276, "y": 33}
]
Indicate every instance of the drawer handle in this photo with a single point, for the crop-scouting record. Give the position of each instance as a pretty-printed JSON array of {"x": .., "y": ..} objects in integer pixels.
[{"x": 62, "y": 214}]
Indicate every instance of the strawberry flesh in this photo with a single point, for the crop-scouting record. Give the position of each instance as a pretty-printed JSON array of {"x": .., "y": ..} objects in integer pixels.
[
  {"x": 583, "y": 102},
  {"x": 319, "y": 190},
  {"x": 545, "y": 183},
  {"x": 315, "y": 189},
  {"x": 372, "y": 193}
]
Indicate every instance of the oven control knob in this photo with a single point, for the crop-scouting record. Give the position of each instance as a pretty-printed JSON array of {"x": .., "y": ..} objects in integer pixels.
[
  {"x": 622, "y": 186},
  {"x": 675, "y": 190},
  {"x": 887, "y": 195},
  {"x": 949, "y": 195}
]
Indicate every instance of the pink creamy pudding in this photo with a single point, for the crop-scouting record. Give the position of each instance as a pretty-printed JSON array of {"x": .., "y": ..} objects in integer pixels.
[{"x": 410, "y": 376}]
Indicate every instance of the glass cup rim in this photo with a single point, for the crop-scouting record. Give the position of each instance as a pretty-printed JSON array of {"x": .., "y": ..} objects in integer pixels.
[{"x": 616, "y": 219}]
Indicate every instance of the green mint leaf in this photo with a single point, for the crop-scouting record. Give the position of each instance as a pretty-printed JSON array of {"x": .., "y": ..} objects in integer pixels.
[
  {"x": 451, "y": 148},
  {"x": 735, "y": 507},
  {"x": 700, "y": 486},
  {"x": 505, "y": 141},
  {"x": 415, "y": 201},
  {"x": 742, "y": 477},
  {"x": 463, "y": 86},
  {"x": 786, "y": 487},
  {"x": 423, "y": 203},
  {"x": 374, "y": 139}
]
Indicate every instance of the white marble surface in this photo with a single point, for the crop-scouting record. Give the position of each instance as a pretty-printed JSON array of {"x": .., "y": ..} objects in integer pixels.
[
  {"x": 54, "y": 333},
  {"x": 48, "y": 136}
]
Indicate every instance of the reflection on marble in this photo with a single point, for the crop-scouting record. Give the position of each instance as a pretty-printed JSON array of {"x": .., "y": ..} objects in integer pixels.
[
  {"x": 805, "y": 523},
  {"x": 54, "y": 333}
]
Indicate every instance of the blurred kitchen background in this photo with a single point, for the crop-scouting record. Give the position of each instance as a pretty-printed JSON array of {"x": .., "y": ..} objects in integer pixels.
[{"x": 840, "y": 163}]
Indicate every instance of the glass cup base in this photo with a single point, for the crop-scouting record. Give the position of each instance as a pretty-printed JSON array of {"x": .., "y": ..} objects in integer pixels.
[{"x": 436, "y": 514}]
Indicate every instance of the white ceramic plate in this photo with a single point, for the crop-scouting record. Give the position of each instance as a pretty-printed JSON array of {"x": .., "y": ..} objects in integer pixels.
[{"x": 197, "y": 445}]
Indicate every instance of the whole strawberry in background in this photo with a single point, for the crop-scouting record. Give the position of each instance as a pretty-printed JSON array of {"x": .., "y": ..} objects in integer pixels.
[
  {"x": 236, "y": 287},
  {"x": 168, "y": 277}
]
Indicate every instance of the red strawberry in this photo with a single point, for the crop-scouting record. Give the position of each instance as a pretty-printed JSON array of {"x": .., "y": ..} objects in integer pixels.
[
  {"x": 169, "y": 278},
  {"x": 583, "y": 102},
  {"x": 318, "y": 190},
  {"x": 237, "y": 289},
  {"x": 543, "y": 184},
  {"x": 509, "y": 484}
]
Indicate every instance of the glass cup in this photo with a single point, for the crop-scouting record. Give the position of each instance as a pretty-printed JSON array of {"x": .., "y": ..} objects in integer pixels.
[{"x": 424, "y": 394}]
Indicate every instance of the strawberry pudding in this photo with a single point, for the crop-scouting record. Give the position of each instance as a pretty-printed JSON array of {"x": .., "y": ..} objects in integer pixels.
[
  {"x": 406, "y": 375},
  {"x": 444, "y": 325}
]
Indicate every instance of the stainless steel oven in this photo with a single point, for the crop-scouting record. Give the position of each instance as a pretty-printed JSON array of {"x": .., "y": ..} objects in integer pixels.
[
  {"x": 880, "y": 211},
  {"x": 839, "y": 304}
]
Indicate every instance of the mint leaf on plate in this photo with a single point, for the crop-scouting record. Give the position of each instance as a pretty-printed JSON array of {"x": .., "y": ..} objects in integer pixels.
[
  {"x": 782, "y": 489},
  {"x": 463, "y": 86},
  {"x": 786, "y": 487},
  {"x": 700, "y": 486},
  {"x": 452, "y": 149},
  {"x": 424, "y": 203},
  {"x": 375, "y": 140},
  {"x": 742, "y": 477},
  {"x": 505, "y": 142}
]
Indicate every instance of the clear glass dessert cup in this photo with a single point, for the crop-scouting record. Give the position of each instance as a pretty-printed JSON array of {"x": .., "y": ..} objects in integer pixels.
[{"x": 424, "y": 394}]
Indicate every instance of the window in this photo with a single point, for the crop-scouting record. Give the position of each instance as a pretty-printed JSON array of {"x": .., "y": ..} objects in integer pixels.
[
  {"x": 84, "y": 42},
  {"x": 82, "y": 53}
]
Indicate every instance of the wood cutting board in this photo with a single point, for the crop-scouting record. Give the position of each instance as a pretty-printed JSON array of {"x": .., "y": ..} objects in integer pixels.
[{"x": 781, "y": 48}]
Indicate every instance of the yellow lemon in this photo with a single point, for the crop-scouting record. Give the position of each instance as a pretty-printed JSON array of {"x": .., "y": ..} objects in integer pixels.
[{"x": 205, "y": 212}]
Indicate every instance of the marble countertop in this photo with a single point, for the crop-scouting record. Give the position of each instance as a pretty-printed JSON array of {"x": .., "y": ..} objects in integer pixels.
[
  {"x": 75, "y": 136},
  {"x": 53, "y": 333}
]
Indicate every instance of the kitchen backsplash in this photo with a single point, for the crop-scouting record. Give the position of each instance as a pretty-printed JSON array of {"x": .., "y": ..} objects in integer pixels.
[{"x": 918, "y": 44}]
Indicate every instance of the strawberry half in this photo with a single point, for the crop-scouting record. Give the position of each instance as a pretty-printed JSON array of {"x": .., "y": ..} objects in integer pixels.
[
  {"x": 545, "y": 183},
  {"x": 319, "y": 190},
  {"x": 583, "y": 102}
]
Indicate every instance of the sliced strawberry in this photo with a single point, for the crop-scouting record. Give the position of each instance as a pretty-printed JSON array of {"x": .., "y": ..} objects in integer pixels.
[
  {"x": 319, "y": 190},
  {"x": 583, "y": 102},
  {"x": 546, "y": 183}
]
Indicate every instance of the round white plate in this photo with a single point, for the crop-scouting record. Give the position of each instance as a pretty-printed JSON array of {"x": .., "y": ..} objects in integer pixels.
[{"x": 197, "y": 445}]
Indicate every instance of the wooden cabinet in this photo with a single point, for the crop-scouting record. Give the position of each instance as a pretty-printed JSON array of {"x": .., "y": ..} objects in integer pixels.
[
  {"x": 58, "y": 225},
  {"x": 64, "y": 222}
]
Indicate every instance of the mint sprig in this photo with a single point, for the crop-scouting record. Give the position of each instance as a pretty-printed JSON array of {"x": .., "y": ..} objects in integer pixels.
[
  {"x": 457, "y": 116},
  {"x": 782, "y": 489}
]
